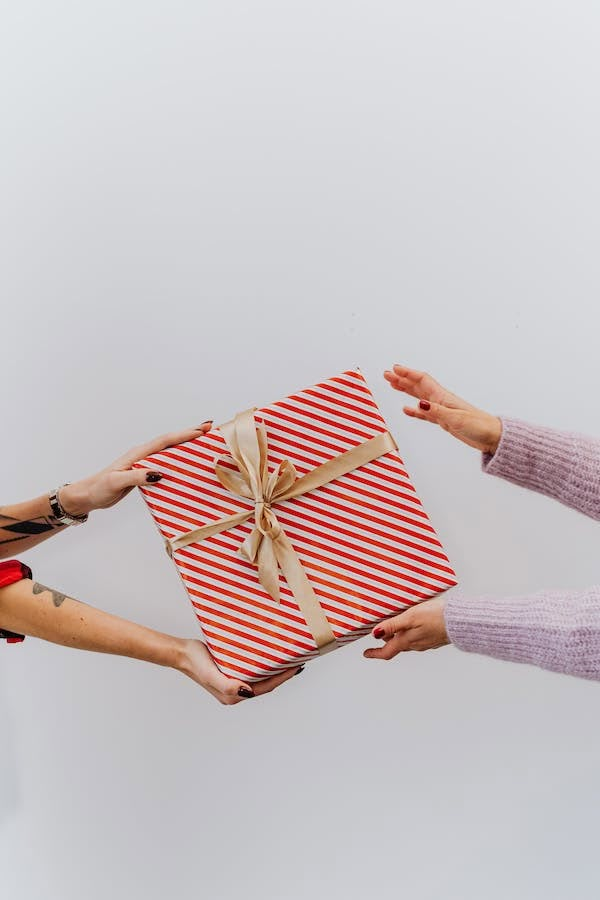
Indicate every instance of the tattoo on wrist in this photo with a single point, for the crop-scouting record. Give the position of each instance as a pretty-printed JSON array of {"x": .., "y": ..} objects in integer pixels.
[
  {"x": 57, "y": 596},
  {"x": 21, "y": 529}
]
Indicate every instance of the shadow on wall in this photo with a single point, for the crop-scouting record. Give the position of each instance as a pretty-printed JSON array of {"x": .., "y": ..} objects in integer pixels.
[{"x": 9, "y": 794}]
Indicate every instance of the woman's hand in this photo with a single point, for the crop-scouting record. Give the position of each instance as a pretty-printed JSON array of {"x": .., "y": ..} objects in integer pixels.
[
  {"x": 197, "y": 663},
  {"x": 421, "y": 627},
  {"x": 115, "y": 481},
  {"x": 470, "y": 425}
]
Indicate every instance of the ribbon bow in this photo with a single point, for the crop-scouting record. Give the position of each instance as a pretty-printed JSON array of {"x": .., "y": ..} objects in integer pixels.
[
  {"x": 268, "y": 546},
  {"x": 249, "y": 451}
]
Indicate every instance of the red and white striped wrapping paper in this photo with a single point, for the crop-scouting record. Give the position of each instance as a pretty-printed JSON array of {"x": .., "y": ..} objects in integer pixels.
[{"x": 364, "y": 540}]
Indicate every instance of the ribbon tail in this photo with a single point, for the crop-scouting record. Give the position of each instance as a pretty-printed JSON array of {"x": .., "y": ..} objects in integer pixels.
[
  {"x": 304, "y": 595},
  {"x": 268, "y": 570},
  {"x": 205, "y": 531},
  {"x": 249, "y": 549}
]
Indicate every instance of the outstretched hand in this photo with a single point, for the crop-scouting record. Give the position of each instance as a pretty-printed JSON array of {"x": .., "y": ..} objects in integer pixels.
[
  {"x": 107, "y": 487},
  {"x": 421, "y": 627},
  {"x": 440, "y": 406}
]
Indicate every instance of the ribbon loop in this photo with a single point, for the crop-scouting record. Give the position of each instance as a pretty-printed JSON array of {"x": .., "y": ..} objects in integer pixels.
[{"x": 249, "y": 449}]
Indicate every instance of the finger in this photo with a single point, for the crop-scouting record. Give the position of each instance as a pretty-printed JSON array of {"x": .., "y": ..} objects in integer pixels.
[
  {"x": 414, "y": 412},
  {"x": 427, "y": 411},
  {"x": 396, "y": 645},
  {"x": 227, "y": 690},
  {"x": 411, "y": 381},
  {"x": 390, "y": 627},
  {"x": 164, "y": 441},
  {"x": 424, "y": 387},
  {"x": 171, "y": 439},
  {"x": 269, "y": 684},
  {"x": 121, "y": 481},
  {"x": 232, "y": 690}
]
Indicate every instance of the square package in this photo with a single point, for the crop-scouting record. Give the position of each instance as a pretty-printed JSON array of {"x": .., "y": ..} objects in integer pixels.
[{"x": 295, "y": 528}]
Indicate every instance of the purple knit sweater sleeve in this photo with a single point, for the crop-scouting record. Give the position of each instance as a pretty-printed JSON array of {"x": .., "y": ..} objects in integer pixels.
[
  {"x": 557, "y": 630},
  {"x": 561, "y": 464}
]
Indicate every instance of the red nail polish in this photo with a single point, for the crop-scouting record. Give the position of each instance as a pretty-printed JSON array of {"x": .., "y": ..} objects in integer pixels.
[
  {"x": 424, "y": 404},
  {"x": 378, "y": 633}
]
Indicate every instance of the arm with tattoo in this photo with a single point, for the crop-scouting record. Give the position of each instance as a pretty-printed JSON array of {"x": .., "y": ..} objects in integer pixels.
[
  {"x": 24, "y": 525},
  {"x": 28, "y": 607},
  {"x": 34, "y": 609},
  {"x": 57, "y": 596}
]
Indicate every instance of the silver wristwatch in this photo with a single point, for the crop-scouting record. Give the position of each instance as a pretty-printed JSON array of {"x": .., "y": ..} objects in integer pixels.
[{"x": 58, "y": 512}]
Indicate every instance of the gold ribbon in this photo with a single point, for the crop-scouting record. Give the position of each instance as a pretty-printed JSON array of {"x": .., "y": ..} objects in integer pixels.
[{"x": 267, "y": 546}]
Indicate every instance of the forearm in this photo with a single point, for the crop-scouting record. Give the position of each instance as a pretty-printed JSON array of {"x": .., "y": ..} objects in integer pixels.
[
  {"x": 556, "y": 630},
  {"x": 30, "y": 608},
  {"x": 24, "y": 525},
  {"x": 563, "y": 465}
]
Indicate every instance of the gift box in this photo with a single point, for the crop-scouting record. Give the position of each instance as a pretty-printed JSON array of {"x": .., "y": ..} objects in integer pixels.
[{"x": 295, "y": 528}]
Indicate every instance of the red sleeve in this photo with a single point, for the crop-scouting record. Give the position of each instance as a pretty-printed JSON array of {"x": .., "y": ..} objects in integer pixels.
[{"x": 12, "y": 570}]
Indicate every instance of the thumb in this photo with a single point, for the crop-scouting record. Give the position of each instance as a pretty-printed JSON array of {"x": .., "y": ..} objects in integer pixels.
[
  {"x": 435, "y": 413},
  {"x": 134, "y": 478},
  {"x": 234, "y": 689}
]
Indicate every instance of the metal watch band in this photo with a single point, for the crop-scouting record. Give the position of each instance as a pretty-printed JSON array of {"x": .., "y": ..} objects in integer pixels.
[{"x": 58, "y": 512}]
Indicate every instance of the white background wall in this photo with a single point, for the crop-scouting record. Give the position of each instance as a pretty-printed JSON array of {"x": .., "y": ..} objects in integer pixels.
[{"x": 208, "y": 205}]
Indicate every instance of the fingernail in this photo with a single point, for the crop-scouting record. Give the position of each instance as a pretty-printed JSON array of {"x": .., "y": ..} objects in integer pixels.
[
  {"x": 208, "y": 422},
  {"x": 424, "y": 404},
  {"x": 301, "y": 669},
  {"x": 378, "y": 632},
  {"x": 153, "y": 476},
  {"x": 244, "y": 692}
]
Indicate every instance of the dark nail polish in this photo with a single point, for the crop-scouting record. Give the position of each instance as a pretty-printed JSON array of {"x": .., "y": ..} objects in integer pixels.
[
  {"x": 378, "y": 632},
  {"x": 244, "y": 692},
  {"x": 425, "y": 404},
  {"x": 301, "y": 669},
  {"x": 153, "y": 476}
]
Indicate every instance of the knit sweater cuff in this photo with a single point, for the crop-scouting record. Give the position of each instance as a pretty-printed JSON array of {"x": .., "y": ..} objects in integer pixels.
[
  {"x": 482, "y": 624},
  {"x": 533, "y": 456},
  {"x": 557, "y": 630},
  {"x": 564, "y": 465}
]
